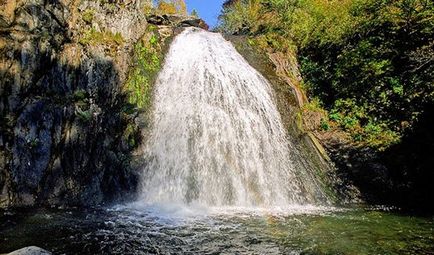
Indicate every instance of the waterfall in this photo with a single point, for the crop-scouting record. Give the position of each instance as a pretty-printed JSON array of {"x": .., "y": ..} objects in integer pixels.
[{"x": 217, "y": 137}]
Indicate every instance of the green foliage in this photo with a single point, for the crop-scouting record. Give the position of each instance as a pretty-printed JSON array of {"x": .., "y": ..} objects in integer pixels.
[
  {"x": 80, "y": 94},
  {"x": 82, "y": 108},
  {"x": 364, "y": 128},
  {"x": 324, "y": 125},
  {"x": 130, "y": 135},
  {"x": 33, "y": 143},
  {"x": 372, "y": 65},
  {"x": 154, "y": 40},
  {"x": 88, "y": 15},
  {"x": 245, "y": 15},
  {"x": 314, "y": 105},
  {"x": 83, "y": 115},
  {"x": 94, "y": 37},
  {"x": 147, "y": 63},
  {"x": 369, "y": 63},
  {"x": 147, "y": 8}
]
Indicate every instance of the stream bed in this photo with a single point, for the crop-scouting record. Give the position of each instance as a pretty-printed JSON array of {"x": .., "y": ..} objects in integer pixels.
[{"x": 145, "y": 229}]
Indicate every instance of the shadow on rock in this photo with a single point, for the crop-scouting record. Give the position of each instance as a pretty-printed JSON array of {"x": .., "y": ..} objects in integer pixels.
[{"x": 68, "y": 133}]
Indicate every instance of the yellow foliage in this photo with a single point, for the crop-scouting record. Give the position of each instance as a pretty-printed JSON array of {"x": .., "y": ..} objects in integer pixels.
[
  {"x": 147, "y": 8},
  {"x": 172, "y": 7},
  {"x": 244, "y": 14},
  {"x": 324, "y": 20}
]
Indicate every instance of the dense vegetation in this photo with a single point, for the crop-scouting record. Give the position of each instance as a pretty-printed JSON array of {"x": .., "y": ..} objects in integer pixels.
[
  {"x": 369, "y": 63},
  {"x": 147, "y": 53}
]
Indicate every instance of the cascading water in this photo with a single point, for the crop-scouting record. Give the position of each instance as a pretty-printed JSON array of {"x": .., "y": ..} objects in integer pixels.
[{"x": 217, "y": 137}]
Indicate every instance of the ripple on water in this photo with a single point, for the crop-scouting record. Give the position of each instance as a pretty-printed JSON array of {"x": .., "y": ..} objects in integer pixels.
[{"x": 172, "y": 229}]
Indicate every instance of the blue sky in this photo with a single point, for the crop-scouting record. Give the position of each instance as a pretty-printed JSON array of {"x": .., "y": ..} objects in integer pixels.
[{"x": 208, "y": 10}]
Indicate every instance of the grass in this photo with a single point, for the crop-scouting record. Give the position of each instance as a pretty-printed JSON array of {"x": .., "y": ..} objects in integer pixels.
[{"x": 94, "y": 37}]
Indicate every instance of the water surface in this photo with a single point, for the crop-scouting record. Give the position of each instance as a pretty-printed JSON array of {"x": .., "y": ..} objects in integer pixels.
[{"x": 143, "y": 229}]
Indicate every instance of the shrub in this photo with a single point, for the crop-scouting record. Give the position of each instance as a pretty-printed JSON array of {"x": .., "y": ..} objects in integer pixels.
[
  {"x": 83, "y": 115},
  {"x": 88, "y": 15}
]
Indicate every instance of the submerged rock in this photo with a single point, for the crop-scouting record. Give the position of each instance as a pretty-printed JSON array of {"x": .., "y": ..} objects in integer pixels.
[{"x": 31, "y": 250}]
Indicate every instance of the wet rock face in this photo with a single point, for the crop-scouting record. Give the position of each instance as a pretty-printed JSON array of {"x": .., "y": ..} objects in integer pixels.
[
  {"x": 62, "y": 108},
  {"x": 37, "y": 128}
]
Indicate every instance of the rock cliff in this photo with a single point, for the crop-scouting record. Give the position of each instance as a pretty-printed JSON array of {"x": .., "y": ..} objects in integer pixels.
[{"x": 69, "y": 133}]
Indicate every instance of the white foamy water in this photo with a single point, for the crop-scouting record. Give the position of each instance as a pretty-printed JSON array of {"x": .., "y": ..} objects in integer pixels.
[{"x": 217, "y": 138}]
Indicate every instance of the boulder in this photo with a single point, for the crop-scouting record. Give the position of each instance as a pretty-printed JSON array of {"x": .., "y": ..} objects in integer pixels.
[
  {"x": 159, "y": 20},
  {"x": 194, "y": 23},
  {"x": 31, "y": 250}
]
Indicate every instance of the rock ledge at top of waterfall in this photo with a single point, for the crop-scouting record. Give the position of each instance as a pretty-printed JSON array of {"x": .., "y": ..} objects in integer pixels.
[{"x": 177, "y": 21}]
